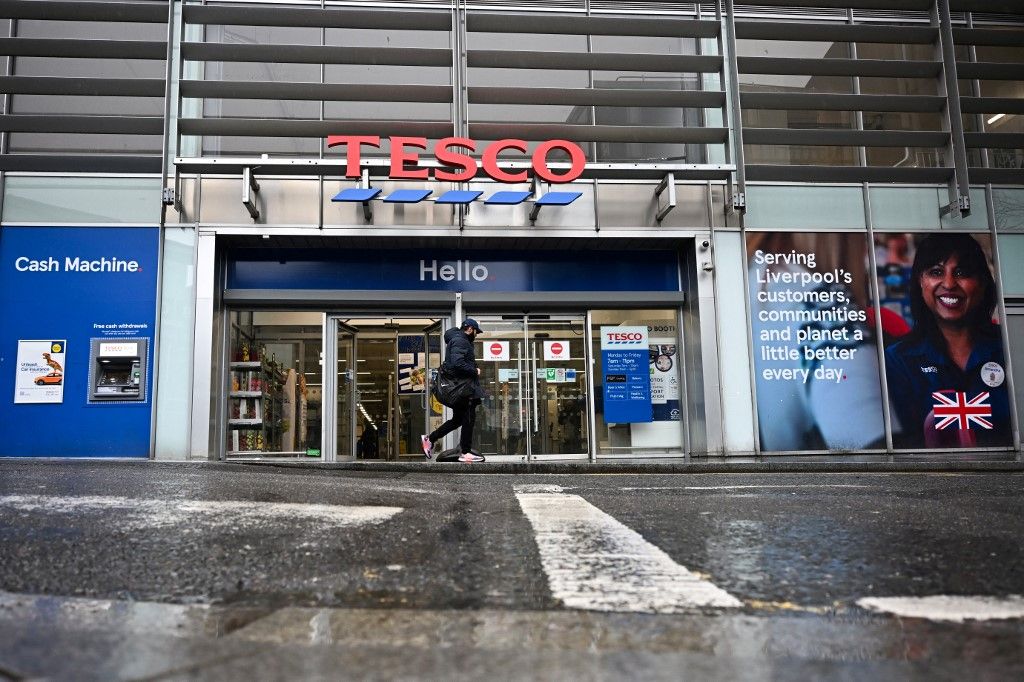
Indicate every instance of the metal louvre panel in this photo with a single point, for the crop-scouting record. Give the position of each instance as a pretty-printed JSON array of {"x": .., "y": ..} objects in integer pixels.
[
  {"x": 598, "y": 26},
  {"x": 853, "y": 138},
  {"x": 842, "y": 4},
  {"x": 127, "y": 125},
  {"x": 839, "y": 67},
  {"x": 997, "y": 176},
  {"x": 248, "y": 15},
  {"x": 831, "y": 102},
  {"x": 995, "y": 140},
  {"x": 989, "y": 36},
  {"x": 142, "y": 12},
  {"x": 597, "y": 133},
  {"x": 316, "y": 54},
  {"x": 272, "y": 127},
  {"x": 988, "y": 6},
  {"x": 847, "y": 174},
  {"x": 32, "y": 85},
  {"x": 514, "y": 59},
  {"x": 990, "y": 71},
  {"x": 645, "y": 6},
  {"x": 597, "y": 97},
  {"x": 83, "y": 49},
  {"x": 794, "y": 30},
  {"x": 64, "y": 163},
  {"x": 991, "y": 105},
  {"x": 328, "y": 92}
]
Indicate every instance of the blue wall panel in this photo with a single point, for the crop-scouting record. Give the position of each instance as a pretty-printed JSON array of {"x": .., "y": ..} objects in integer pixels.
[{"x": 76, "y": 304}]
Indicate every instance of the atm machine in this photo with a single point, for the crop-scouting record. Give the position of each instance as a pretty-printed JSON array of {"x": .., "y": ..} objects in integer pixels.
[{"x": 117, "y": 370}]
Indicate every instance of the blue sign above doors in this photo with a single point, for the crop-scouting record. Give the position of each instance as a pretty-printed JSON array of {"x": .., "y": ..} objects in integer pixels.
[{"x": 453, "y": 270}]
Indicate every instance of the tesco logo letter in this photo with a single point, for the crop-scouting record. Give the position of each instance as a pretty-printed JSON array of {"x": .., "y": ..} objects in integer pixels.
[{"x": 457, "y": 165}]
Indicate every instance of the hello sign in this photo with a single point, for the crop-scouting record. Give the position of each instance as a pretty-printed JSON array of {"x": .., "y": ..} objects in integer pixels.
[{"x": 453, "y": 153}]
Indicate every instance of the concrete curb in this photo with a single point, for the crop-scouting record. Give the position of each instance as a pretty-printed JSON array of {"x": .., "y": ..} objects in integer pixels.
[
  {"x": 584, "y": 468},
  {"x": 761, "y": 466}
]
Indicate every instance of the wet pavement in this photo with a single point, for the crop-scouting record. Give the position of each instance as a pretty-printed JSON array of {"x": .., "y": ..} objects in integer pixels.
[{"x": 115, "y": 570}]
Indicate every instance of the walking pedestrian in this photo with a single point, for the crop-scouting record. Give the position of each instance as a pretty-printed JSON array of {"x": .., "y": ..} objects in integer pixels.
[{"x": 460, "y": 362}]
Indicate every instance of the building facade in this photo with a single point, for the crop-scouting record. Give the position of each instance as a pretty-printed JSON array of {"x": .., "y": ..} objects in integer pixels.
[{"x": 237, "y": 230}]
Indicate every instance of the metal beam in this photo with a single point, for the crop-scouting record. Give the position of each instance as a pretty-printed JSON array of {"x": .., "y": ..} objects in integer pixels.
[{"x": 960, "y": 186}]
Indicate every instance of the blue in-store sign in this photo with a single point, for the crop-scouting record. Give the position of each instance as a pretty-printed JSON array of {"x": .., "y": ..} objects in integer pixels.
[
  {"x": 75, "y": 285},
  {"x": 625, "y": 358},
  {"x": 451, "y": 270}
]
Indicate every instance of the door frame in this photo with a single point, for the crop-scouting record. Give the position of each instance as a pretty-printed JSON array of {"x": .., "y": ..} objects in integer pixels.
[{"x": 334, "y": 323}]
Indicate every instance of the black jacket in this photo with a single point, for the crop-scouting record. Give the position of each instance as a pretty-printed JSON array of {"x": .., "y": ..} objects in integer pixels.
[{"x": 460, "y": 359}]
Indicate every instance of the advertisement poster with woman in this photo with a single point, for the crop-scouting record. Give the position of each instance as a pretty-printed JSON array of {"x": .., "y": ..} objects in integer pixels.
[
  {"x": 944, "y": 356},
  {"x": 815, "y": 356}
]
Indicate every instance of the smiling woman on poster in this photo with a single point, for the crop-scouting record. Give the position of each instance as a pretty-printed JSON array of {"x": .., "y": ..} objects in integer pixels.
[{"x": 946, "y": 377}]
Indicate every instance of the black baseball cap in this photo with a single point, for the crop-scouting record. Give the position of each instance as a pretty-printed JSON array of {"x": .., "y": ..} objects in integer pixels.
[{"x": 470, "y": 322}]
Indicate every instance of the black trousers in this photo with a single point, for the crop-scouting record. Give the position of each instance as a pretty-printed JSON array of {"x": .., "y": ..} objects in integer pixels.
[{"x": 464, "y": 416}]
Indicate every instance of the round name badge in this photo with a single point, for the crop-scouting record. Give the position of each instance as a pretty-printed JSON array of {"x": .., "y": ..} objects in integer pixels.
[{"x": 992, "y": 374}]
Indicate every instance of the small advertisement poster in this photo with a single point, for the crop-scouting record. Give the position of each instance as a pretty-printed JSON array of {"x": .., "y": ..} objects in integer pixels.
[
  {"x": 627, "y": 378},
  {"x": 40, "y": 372},
  {"x": 496, "y": 351},
  {"x": 664, "y": 371},
  {"x": 412, "y": 361},
  {"x": 556, "y": 350}
]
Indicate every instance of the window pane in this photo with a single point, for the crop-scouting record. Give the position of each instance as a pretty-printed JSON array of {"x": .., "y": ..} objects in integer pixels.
[
  {"x": 274, "y": 383},
  {"x": 665, "y": 432}
]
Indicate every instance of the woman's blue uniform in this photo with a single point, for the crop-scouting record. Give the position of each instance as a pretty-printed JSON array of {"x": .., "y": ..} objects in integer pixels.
[{"x": 915, "y": 369}]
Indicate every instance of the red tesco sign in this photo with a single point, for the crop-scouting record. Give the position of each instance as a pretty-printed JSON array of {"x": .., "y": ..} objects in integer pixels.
[{"x": 457, "y": 165}]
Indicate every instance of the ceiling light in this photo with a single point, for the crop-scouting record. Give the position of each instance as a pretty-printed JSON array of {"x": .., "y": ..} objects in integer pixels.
[{"x": 995, "y": 118}]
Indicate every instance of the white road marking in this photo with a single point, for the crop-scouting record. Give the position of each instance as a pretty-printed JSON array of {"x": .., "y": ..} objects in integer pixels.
[
  {"x": 147, "y": 513},
  {"x": 595, "y": 563},
  {"x": 948, "y": 608}
]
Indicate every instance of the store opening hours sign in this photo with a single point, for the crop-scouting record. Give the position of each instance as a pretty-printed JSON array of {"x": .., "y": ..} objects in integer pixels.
[{"x": 627, "y": 379}]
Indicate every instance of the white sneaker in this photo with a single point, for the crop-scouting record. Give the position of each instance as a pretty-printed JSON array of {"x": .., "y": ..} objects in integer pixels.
[
  {"x": 470, "y": 457},
  {"x": 428, "y": 447}
]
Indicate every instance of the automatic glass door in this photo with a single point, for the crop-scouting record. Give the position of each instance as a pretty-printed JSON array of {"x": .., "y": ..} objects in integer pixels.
[{"x": 533, "y": 369}]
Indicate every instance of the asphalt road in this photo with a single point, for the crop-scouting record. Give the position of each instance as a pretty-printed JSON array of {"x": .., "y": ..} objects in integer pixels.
[{"x": 158, "y": 571}]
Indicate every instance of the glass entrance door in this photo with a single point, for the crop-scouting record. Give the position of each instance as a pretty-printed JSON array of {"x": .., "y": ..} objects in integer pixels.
[
  {"x": 345, "y": 387},
  {"x": 533, "y": 369},
  {"x": 378, "y": 389}
]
